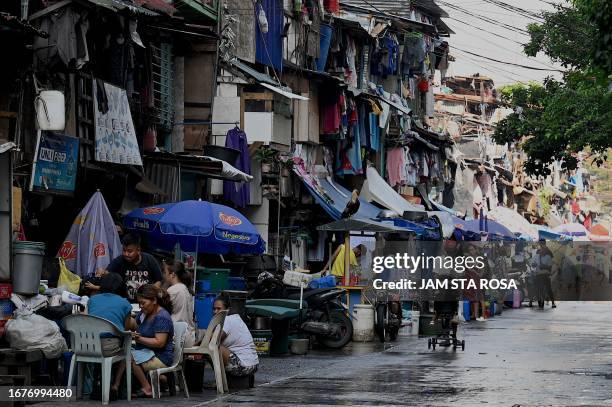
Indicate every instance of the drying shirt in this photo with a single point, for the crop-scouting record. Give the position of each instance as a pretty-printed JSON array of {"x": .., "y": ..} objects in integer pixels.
[
  {"x": 136, "y": 275},
  {"x": 182, "y": 309},
  {"x": 238, "y": 340}
]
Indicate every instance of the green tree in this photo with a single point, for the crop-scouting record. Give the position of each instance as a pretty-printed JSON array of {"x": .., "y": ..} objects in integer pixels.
[{"x": 559, "y": 118}]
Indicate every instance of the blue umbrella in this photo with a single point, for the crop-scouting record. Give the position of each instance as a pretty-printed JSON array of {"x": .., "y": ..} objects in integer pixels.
[{"x": 197, "y": 226}]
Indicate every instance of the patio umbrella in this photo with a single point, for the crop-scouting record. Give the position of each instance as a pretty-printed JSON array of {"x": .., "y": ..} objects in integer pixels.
[
  {"x": 92, "y": 241},
  {"x": 197, "y": 226}
]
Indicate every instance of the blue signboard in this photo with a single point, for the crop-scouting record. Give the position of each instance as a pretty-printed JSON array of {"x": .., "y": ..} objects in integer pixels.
[{"x": 55, "y": 167}]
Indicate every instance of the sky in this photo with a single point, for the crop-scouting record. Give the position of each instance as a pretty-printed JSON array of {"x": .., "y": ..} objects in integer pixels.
[{"x": 469, "y": 36}]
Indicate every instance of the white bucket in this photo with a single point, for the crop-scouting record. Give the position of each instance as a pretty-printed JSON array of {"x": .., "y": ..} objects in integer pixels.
[
  {"x": 415, "y": 316},
  {"x": 363, "y": 323},
  {"x": 406, "y": 329},
  {"x": 50, "y": 110}
]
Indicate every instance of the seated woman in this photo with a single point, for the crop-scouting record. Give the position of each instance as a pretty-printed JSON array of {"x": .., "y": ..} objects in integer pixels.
[
  {"x": 237, "y": 347},
  {"x": 154, "y": 335},
  {"x": 179, "y": 281}
]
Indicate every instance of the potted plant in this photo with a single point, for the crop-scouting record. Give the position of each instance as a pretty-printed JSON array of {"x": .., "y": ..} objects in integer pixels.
[
  {"x": 266, "y": 156},
  {"x": 286, "y": 166}
]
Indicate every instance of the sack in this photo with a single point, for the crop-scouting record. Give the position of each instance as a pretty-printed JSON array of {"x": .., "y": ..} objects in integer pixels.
[
  {"x": 323, "y": 282},
  {"x": 28, "y": 331},
  {"x": 67, "y": 279}
]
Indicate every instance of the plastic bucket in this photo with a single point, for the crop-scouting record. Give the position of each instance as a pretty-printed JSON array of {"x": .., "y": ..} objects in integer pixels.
[
  {"x": 203, "y": 287},
  {"x": 203, "y": 308},
  {"x": 299, "y": 346},
  {"x": 27, "y": 267},
  {"x": 415, "y": 317},
  {"x": 324, "y": 42},
  {"x": 363, "y": 326},
  {"x": 262, "y": 340}
]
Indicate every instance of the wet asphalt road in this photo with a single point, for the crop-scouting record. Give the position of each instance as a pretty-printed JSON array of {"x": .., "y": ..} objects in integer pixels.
[{"x": 525, "y": 357}]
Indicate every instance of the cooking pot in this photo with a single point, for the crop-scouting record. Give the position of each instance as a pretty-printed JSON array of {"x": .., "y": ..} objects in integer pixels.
[{"x": 261, "y": 323}]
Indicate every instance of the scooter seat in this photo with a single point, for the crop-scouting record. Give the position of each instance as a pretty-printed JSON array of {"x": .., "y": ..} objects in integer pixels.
[{"x": 308, "y": 293}]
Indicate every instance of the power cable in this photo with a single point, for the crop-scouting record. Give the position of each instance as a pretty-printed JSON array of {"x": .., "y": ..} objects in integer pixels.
[
  {"x": 483, "y": 30},
  {"x": 507, "y": 63},
  {"x": 514, "y": 9},
  {"x": 484, "y": 18},
  {"x": 512, "y": 52}
]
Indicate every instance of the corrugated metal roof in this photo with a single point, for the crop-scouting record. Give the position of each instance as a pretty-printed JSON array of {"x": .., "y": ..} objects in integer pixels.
[
  {"x": 117, "y": 5},
  {"x": 400, "y": 8},
  {"x": 252, "y": 72}
]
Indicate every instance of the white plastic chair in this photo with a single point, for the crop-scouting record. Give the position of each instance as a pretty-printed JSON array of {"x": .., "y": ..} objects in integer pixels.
[
  {"x": 180, "y": 333},
  {"x": 85, "y": 343},
  {"x": 210, "y": 347}
]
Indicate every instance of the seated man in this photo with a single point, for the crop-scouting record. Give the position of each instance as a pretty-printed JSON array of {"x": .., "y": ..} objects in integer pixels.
[
  {"x": 237, "y": 346},
  {"x": 107, "y": 304}
]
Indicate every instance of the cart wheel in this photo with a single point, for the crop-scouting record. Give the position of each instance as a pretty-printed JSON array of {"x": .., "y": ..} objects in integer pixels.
[
  {"x": 463, "y": 345},
  {"x": 429, "y": 343}
]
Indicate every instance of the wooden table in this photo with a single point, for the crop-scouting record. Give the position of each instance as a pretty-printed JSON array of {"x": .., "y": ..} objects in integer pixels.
[{"x": 354, "y": 295}]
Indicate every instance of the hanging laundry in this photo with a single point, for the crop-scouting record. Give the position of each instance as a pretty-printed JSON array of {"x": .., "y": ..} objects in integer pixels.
[
  {"x": 395, "y": 165},
  {"x": 374, "y": 131},
  {"x": 350, "y": 72},
  {"x": 236, "y": 192},
  {"x": 414, "y": 54}
]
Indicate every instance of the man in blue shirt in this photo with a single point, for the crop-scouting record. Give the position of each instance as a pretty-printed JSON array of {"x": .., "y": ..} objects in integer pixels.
[{"x": 109, "y": 305}]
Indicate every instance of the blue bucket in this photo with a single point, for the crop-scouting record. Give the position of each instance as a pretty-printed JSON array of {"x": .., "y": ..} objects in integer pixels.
[
  {"x": 203, "y": 309},
  {"x": 324, "y": 42},
  {"x": 203, "y": 286}
]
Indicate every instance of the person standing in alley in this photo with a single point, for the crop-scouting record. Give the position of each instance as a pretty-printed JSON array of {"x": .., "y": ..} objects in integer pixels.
[{"x": 542, "y": 261}]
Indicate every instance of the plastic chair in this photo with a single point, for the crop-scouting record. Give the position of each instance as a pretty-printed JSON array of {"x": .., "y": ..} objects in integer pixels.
[
  {"x": 210, "y": 347},
  {"x": 85, "y": 331},
  {"x": 180, "y": 333}
]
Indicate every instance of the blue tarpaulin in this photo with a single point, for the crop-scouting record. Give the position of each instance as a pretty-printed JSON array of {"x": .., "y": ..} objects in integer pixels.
[{"x": 336, "y": 197}]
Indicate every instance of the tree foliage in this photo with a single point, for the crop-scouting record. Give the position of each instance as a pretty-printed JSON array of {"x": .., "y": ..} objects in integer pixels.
[{"x": 559, "y": 118}]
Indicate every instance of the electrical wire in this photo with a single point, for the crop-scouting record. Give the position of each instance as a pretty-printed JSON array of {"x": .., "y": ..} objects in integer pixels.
[
  {"x": 512, "y": 52},
  {"x": 515, "y": 9},
  {"x": 484, "y": 18},
  {"x": 496, "y": 70},
  {"x": 483, "y": 30},
  {"x": 507, "y": 63}
]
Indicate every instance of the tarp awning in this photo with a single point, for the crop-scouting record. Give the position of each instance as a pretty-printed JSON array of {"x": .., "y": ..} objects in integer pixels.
[
  {"x": 206, "y": 166},
  {"x": 283, "y": 92},
  {"x": 376, "y": 189},
  {"x": 333, "y": 199}
]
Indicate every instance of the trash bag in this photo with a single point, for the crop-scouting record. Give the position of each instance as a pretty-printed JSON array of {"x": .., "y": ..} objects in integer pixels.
[
  {"x": 67, "y": 279},
  {"x": 27, "y": 331}
]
